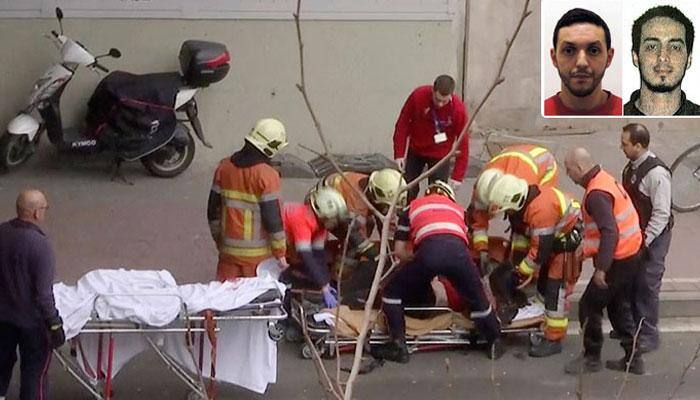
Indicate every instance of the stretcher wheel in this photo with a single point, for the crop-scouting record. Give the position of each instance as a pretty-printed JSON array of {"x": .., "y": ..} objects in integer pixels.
[
  {"x": 306, "y": 352},
  {"x": 275, "y": 332}
]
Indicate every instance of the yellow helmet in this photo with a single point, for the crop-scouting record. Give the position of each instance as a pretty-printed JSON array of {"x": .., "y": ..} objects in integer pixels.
[
  {"x": 441, "y": 188},
  {"x": 507, "y": 193},
  {"x": 382, "y": 186},
  {"x": 485, "y": 182},
  {"x": 327, "y": 203},
  {"x": 268, "y": 135}
]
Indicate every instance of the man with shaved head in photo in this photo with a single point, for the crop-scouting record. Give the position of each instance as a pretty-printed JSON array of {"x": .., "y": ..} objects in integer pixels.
[
  {"x": 28, "y": 316},
  {"x": 662, "y": 48}
]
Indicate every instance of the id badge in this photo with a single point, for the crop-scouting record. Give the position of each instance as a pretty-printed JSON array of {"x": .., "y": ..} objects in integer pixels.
[{"x": 440, "y": 137}]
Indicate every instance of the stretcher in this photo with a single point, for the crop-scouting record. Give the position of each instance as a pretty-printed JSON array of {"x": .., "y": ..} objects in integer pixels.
[
  {"x": 431, "y": 328},
  {"x": 189, "y": 344}
]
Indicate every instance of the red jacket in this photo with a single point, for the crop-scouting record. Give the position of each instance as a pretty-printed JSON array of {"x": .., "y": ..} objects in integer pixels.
[
  {"x": 416, "y": 122},
  {"x": 554, "y": 106}
]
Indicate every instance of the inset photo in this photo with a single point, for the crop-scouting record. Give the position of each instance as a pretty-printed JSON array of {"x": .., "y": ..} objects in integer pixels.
[
  {"x": 659, "y": 78},
  {"x": 581, "y": 72}
]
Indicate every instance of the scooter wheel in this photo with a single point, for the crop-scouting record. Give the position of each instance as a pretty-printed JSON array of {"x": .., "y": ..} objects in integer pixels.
[
  {"x": 170, "y": 160},
  {"x": 14, "y": 150}
]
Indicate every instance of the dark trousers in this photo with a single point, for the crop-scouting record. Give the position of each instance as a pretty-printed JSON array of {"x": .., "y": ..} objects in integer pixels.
[
  {"x": 620, "y": 278},
  {"x": 645, "y": 301},
  {"x": 35, "y": 356},
  {"x": 415, "y": 165},
  {"x": 444, "y": 255}
]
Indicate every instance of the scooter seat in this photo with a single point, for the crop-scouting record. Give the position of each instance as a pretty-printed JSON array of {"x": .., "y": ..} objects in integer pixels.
[{"x": 158, "y": 89}]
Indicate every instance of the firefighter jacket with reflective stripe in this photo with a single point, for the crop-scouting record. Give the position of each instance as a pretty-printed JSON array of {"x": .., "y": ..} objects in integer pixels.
[
  {"x": 435, "y": 214},
  {"x": 303, "y": 231},
  {"x": 250, "y": 226},
  {"x": 551, "y": 215},
  {"x": 630, "y": 235},
  {"x": 535, "y": 164}
]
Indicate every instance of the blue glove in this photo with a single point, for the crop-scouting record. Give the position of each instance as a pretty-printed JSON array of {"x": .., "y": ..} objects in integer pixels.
[{"x": 329, "y": 297}]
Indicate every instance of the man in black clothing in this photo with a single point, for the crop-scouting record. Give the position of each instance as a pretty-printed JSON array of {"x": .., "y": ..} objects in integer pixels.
[
  {"x": 612, "y": 237},
  {"x": 28, "y": 315},
  {"x": 662, "y": 46}
]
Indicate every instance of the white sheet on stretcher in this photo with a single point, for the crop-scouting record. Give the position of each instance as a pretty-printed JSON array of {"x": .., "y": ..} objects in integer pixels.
[{"x": 246, "y": 356}]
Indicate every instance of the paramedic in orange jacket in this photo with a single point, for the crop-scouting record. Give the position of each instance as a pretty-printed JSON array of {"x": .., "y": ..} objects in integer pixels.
[
  {"x": 244, "y": 212},
  {"x": 379, "y": 188},
  {"x": 553, "y": 220},
  {"x": 307, "y": 225},
  {"x": 612, "y": 238},
  {"x": 535, "y": 164}
]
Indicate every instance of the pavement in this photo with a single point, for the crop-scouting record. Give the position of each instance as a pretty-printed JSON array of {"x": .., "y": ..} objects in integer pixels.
[{"x": 161, "y": 223}]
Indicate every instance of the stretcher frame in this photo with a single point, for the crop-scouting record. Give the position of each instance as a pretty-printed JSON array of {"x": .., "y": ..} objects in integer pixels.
[
  {"x": 325, "y": 341},
  {"x": 203, "y": 323}
]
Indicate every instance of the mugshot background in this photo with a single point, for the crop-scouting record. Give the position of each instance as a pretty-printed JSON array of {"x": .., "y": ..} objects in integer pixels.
[
  {"x": 611, "y": 12},
  {"x": 630, "y": 77}
]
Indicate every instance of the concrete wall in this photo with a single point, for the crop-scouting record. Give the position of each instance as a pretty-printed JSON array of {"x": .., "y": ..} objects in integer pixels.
[{"x": 358, "y": 72}]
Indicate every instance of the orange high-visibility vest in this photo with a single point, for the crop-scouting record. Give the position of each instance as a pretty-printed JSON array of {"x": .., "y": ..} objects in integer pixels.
[{"x": 630, "y": 235}]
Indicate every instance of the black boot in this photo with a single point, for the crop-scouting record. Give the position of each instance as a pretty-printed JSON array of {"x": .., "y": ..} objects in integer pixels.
[
  {"x": 393, "y": 351},
  {"x": 583, "y": 364},
  {"x": 545, "y": 348},
  {"x": 636, "y": 364}
]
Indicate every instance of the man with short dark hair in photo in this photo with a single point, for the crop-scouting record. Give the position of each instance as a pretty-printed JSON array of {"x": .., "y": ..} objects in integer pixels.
[
  {"x": 662, "y": 46},
  {"x": 582, "y": 52}
]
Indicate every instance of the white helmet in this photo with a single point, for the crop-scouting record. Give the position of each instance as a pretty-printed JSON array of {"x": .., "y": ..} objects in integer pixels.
[
  {"x": 507, "y": 193},
  {"x": 328, "y": 204},
  {"x": 441, "y": 188},
  {"x": 268, "y": 135},
  {"x": 382, "y": 186},
  {"x": 485, "y": 182}
]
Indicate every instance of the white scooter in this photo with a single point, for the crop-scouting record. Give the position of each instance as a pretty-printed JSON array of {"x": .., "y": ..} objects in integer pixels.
[{"x": 132, "y": 117}]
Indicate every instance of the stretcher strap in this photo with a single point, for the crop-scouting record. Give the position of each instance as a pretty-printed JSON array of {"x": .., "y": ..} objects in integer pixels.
[{"x": 211, "y": 333}]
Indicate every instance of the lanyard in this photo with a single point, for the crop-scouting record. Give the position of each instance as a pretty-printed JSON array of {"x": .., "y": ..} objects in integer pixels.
[{"x": 439, "y": 128}]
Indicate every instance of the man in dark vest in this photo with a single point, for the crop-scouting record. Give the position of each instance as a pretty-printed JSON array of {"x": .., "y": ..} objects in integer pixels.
[{"x": 648, "y": 181}]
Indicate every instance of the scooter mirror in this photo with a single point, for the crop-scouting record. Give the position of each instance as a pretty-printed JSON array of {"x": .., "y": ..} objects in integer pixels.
[
  {"x": 114, "y": 53},
  {"x": 59, "y": 13}
]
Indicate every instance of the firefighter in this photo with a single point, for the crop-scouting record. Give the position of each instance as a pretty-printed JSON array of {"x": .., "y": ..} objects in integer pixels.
[
  {"x": 553, "y": 220},
  {"x": 435, "y": 226},
  {"x": 244, "y": 210},
  {"x": 379, "y": 187},
  {"x": 307, "y": 225},
  {"x": 535, "y": 164}
]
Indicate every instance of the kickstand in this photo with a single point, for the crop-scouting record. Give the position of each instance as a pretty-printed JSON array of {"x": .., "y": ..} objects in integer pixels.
[{"x": 117, "y": 174}]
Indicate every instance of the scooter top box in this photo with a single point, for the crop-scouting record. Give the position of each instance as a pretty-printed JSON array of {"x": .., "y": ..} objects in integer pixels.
[{"x": 203, "y": 63}]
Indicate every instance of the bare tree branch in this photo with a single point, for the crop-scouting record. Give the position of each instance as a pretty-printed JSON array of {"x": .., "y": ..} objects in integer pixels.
[
  {"x": 685, "y": 371},
  {"x": 579, "y": 378},
  {"x": 337, "y": 309},
  {"x": 629, "y": 360},
  {"x": 324, "y": 379}
]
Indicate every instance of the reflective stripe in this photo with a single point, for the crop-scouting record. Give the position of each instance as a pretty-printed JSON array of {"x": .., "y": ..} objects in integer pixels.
[
  {"x": 278, "y": 235},
  {"x": 253, "y": 243},
  {"x": 215, "y": 189},
  {"x": 527, "y": 266},
  {"x": 556, "y": 313},
  {"x": 303, "y": 246},
  {"x": 562, "y": 201},
  {"x": 480, "y": 236},
  {"x": 270, "y": 196},
  {"x": 241, "y": 205},
  {"x": 278, "y": 243},
  {"x": 628, "y": 211},
  {"x": 629, "y": 232},
  {"x": 236, "y": 195},
  {"x": 520, "y": 242},
  {"x": 542, "y": 231},
  {"x": 548, "y": 176},
  {"x": 427, "y": 207},
  {"x": 591, "y": 242},
  {"x": 241, "y": 252},
  {"x": 480, "y": 314},
  {"x": 391, "y": 301},
  {"x": 318, "y": 244},
  {"x": 403, "y": 228},
  {"x": 439, "y": 226},
  {"x": 556, "y": 322},
  {"x": 538, "y": 152},
  {"x": 525, "y": 157},
  {"x": 247, "y": 225}
]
